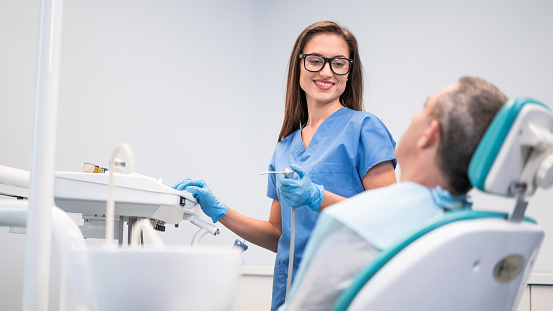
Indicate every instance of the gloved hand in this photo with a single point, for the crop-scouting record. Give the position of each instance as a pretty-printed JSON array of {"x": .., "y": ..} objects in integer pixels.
[
  {"x": 300, "y": 192},
  {"x": 208, "y": 202}
]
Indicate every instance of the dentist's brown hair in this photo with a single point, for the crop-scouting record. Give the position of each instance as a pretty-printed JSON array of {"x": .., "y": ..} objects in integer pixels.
[{"x": 295, "y": 109}]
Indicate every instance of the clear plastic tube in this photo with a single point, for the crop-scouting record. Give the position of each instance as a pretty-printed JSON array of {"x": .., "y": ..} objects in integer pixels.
[
  {"x": 198, "y": 236},
  {"x": 146, "y": 226}
]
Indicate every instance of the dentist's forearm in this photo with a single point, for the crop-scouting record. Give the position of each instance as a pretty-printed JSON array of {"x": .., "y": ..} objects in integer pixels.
[
  {"x": 260, "y": 232},
  {"x": 329, "y": 199}
]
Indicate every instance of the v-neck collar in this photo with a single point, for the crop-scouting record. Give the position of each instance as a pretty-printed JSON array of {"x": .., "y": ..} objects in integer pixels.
[{"x": 300, "y": 150}]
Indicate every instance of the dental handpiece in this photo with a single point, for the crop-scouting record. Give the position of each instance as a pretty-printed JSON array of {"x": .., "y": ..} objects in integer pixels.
[{"x": 288, "y": 173}]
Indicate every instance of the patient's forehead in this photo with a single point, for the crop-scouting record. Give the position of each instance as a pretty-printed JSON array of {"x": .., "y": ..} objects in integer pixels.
[
  {"x": 447, "y": 89},
  {"x": 433, "y": 100},
  {"x": 450, "y": 87}
]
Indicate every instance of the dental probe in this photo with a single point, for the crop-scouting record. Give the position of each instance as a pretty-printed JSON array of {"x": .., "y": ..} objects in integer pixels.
[{"x": 288, "y": 173}]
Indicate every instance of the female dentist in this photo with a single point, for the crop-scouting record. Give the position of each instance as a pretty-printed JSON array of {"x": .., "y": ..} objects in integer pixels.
[{"x": 336, "y": 149}]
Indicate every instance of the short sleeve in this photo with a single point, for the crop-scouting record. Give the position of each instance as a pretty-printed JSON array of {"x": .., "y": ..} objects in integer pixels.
[
  {"x": 271, "y": 180},
  {"x": 376, "y": 145}
]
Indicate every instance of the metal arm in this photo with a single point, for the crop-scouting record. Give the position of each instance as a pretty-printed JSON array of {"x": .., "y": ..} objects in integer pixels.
[{"x": 519, "y": 189}]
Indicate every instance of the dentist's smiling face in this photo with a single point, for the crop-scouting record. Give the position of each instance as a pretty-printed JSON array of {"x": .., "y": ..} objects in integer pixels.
[{"x": 324, "y": 86}]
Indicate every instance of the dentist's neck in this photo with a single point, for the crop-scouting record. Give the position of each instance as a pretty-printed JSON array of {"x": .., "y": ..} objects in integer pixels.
[{"x": 318, "y": 112}]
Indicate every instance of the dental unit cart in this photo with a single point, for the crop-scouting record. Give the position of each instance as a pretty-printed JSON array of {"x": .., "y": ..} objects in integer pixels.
[{"x": 136, "y": 197}]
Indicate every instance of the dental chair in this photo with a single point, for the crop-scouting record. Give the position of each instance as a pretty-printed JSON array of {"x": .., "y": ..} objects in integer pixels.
[{"x": 468, "y": 259}]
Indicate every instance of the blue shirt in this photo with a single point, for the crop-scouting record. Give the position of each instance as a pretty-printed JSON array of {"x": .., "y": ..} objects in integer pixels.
[{"x": 346, "y": 145}]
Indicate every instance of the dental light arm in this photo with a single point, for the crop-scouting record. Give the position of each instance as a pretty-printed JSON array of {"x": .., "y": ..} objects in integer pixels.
[{"x": 14, "y": 182}]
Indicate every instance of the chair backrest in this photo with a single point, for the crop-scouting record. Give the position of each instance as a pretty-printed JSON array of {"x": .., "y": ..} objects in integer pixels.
[
  {"x": 470, "y": 260},
  {"x": 466, "y": 260}
]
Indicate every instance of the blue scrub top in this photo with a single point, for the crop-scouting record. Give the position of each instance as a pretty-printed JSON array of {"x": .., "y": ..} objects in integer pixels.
[{"x": 346, "y": 145}]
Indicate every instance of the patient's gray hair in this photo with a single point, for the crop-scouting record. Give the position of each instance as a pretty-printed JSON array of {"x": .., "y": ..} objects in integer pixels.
[{"x": 464, "y": 115}]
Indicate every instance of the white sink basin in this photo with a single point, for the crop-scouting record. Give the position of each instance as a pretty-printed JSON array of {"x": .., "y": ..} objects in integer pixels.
[{"x": 173, "y": 278}]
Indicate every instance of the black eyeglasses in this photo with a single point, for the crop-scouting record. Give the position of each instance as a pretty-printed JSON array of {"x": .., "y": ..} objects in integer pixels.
[{"x": 338, "y": 65}]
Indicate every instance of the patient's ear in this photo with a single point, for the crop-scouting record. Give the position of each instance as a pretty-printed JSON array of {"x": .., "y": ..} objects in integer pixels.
[{"x": 431, "y": 135}]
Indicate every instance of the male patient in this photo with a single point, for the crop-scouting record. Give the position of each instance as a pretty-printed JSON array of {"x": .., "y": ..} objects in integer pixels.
[{"x": 434, "y": 154}]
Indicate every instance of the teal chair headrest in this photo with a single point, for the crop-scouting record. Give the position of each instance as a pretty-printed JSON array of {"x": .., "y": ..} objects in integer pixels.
[{"x": 504, "y": 140}]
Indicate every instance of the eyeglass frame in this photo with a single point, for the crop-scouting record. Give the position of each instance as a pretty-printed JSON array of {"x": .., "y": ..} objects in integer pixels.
[{"x": 327, "y": 60}]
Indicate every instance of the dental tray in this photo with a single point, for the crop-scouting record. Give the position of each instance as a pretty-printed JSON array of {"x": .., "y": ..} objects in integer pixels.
[{"x": 135, "y": 195}]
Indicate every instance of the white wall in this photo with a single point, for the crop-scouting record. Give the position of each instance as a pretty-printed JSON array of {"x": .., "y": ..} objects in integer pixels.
[{"x": 197, "y": 87}]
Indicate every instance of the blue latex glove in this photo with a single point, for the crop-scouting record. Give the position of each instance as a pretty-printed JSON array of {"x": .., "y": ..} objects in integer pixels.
[
  {"x": 208, "y": 202},
  {"x": 300, "y": 192}
]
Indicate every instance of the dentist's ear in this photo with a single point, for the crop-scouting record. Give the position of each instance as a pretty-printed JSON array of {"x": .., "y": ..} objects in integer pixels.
[{"x": 431, "y": 135}]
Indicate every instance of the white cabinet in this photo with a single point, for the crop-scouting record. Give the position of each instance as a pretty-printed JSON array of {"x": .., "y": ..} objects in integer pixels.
[
  {"x": 541, "y": 297},
  {"x": 538, "y": 296}
]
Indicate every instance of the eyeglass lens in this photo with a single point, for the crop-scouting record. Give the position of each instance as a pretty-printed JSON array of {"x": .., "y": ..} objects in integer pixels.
[{"x": 339, "y": 66}]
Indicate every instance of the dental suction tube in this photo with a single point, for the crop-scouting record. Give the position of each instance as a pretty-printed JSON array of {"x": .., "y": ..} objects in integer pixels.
[
  {"x": 291, "y": 258},
  {"x": 289, "y": 173}
]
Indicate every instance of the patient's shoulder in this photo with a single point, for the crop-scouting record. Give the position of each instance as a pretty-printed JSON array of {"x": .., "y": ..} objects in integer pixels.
[
  {"x": 382, "y": 215},
  {"x": 396, "y": 194}
]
